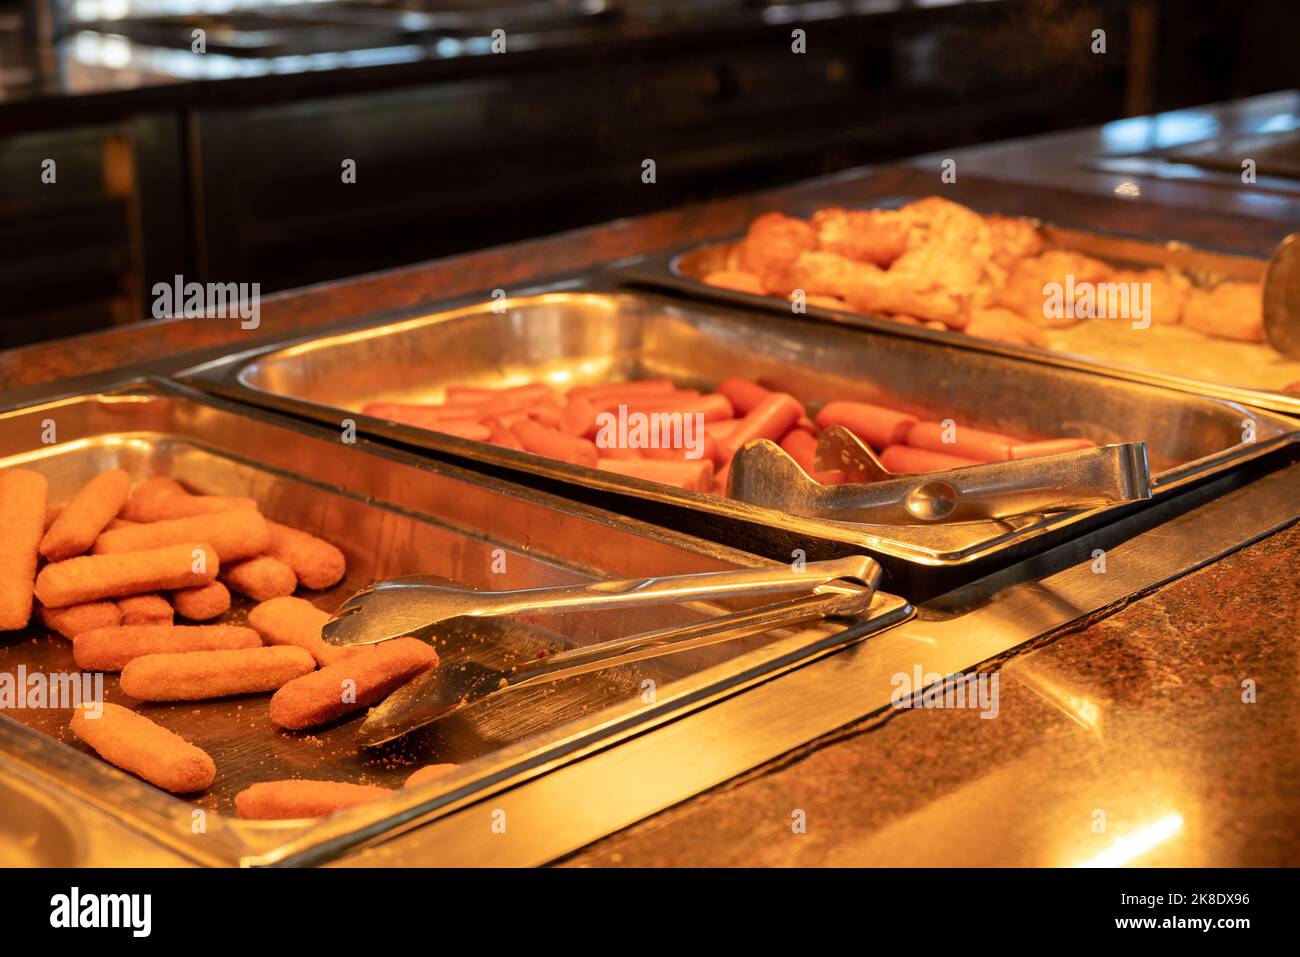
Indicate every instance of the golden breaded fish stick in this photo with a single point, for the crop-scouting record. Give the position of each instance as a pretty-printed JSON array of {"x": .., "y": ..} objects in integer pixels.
[
  {"x": 199, "y": 675},
  {"x": 351, "y": 684},
  {"x": 24, "y": 496},
  {"x": 52, "y": 512},
  {"x": 168, "y": 505},
  {"x": 203, "y": 603},
  {"x": 145, "y": 610},
  {"x": 92, "y": 577},
  {"x": 261, "y": 578},
  {"x": 282, "y": 800},
  {"x": 428, "y": 773},
  {"x": 75, "y": 619},
  {"x": 150, "y": 488},
  {"x": 133, "y": 743},
  {"x": 317, "y": 563},
  {"x": 234, "y": 535},
  {"x": 111, "y": 649},
  {"x": 296, "y": 621},
  {"x": 88, "y": 514}
]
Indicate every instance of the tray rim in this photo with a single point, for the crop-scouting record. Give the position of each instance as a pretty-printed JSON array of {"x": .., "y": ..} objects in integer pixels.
[{"x": 245, "y": 843}]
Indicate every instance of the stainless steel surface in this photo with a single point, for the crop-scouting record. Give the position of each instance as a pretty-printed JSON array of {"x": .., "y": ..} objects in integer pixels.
[
  {"x": 438, "y": 693},
  {"x": 762, "y": 473},
  {"x": 421, "y": 606},
  {"x": 975, "y": 628},
  {"x": 1282, "y": 298},
  {"x": 568, "y": 338},
  {"x": 391, "y": 514},
  {"x": 1163, "y": 354}
]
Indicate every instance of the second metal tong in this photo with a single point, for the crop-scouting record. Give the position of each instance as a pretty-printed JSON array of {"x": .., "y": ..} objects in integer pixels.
[
  {"x": 419, "y": 604},
  {"x": 763, "y": 474}
]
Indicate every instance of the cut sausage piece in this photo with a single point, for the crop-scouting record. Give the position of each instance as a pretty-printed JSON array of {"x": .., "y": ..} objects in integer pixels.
[
  {"x": 770, "y": 419},
  {"x": 744, "y": 395},
  {"x": 695, "y": 475},
  {"x": 908, "y": 460},
  {"x": 555, "y": 444},
  {"x": 966, "y": 442},
  {"x": 876, "y": 425}
]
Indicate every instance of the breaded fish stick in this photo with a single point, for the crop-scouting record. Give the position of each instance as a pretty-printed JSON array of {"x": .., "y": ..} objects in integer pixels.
[
  {"x": 133, "y": 743},
  {"x": 261, "y": 578},
  {"x": 166, "y": 505},
  {"x": 111, "y": 649},
  {"x": 146, "y": 610},
  {"x": 75, "y": 619},
  {"x": 296, "y": 621},
  {"x": 351, "y": 684},
  {"x": 24, "y": 496},
  {"x": 92, "y": 577},
  {"x": 428, "y": 773},
  {"x": 199, "y": 675},
  {"x": 281, "y": 800},
  {"x": 234, "y": 535},
  {"x": 88, "y": 514},
  {"x": 203, "y": 603},
  {"x": 317, "y": 563}
]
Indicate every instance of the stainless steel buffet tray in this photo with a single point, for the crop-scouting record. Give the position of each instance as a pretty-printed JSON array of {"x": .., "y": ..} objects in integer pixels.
[
  {"x": 1170, "y": 355},
  {"x": 602, "y": 335},
  {"x": 392, "y": 514}
]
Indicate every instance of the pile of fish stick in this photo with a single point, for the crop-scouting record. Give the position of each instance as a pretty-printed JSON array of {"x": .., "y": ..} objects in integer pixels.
[
  {"x": 112, "y": 570},
  {"x": 574, "y": 427}
]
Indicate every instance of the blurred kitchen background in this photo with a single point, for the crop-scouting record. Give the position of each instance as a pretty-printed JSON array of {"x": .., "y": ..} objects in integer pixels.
[{"x": 226, "y": 164}]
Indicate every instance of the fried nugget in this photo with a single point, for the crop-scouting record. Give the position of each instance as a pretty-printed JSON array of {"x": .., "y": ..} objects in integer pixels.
[
  {"x": 828, "y": 274},
  {"x": 1169, "y": 291},
  {"x": 203, "y": 603},
  {"x": 89, "y": 512},
  {"x": 876, "y": 236},
  {"x": 736, "y": 279},
  {"x": 134, "y": 743},
  {"x": 24, "y": 497},
  {"x": 200, "y": 675},
  {"x": 282, "y": 800},
  {"x": 237, "y": 534},
  {"x": 145, "y": 610},
  {"x": 771, "y": 246},
  {"x": 261, "y": 578},
  {"x": 1232, "y": 310},
  {"x": 317, "y": 563},
  {"x": 351, "y": 684},
  {"x": 1003, "y": 325},
  {"x": 111, "y": 649},
  {"x": 1023, "y": 292},
  {"x": 1013, "y": 239},
  {"x": 75, "y": 619},
  {"x": 92, "y": 577},
  {"x": 297, "y": 622}
]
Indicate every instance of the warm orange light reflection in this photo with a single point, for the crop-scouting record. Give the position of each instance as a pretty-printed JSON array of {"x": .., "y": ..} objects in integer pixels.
[{"x": 1129, "y": 848}]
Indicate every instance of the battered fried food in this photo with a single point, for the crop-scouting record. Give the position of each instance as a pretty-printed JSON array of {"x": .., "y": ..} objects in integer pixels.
[
  {"x": 145, "y": 610},
  {"x": 1169, "y": 291},
  {"x": 282, "y": 800},
  {"x": 111, "y": 649},
  {"x": 1004, "y": 325},
  {"x": 134, "y": 743},
  {"x": 75, "y": 619},
  {"x": 236, "y": 534},
  {"x": 297, "y": 622},
  {"x": 170, "y": 503},
  {"x": 351, "y": 684},
  {"x": 24, "y": 497},
  {"x": 1024, "y": 292},
  {"x": 261, "y": 578},
  {"x": 820, "y": 273},
  {"x": 317, "y": 563},
  {"x": 83, "y": 518},
  {"x": 148, "y": 489},
  {"x": 1232, "y": 310},
  {"x": 203, "y": 603},
  {"x": 92, "y": 577},
  {"x": 876, "y": 236},
  {"x": 1013, "y": 239},
  {"x": 199, "y": 675},
  {"x": 772, "y": 245},
  {"x": 736, "y": 279},
  {"x": 428, "y": 773}
]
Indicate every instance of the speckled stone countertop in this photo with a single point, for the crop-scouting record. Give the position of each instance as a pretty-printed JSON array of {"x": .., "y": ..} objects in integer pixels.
[{"x": 1135, "y": 724}]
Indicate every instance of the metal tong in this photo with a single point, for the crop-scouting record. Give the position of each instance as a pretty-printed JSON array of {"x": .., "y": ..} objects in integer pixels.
[
  {"x": 418, "y": 606},
  {"x": 764, "y": 474}
]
